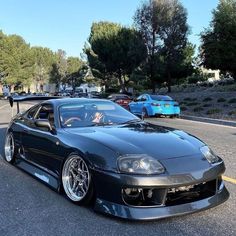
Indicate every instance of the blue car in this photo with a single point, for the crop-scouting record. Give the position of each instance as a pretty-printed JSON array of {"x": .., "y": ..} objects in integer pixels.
[{"x": 154, "y": 105}]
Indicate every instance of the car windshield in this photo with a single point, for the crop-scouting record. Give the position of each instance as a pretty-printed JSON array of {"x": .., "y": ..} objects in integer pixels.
[
  {"x": 93, "y": 113},
  {"x": 161, "y": 98}
]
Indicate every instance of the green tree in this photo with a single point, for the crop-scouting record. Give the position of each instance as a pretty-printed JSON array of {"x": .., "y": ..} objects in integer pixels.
[
  {"x": 163, "y": 24},
  {"x": 58, "y": 72},
  {"x": 114, "y": 50},
  {"x": 218, "y": 49},
  {"x": 15, "y": 60},
  {"x": 75, "y": 71},
  {"x": 43, "y": 59}
]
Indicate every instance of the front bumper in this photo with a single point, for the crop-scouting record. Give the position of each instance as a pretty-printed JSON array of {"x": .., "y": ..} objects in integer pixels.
[
  {"x": 150, "y": 213},
  {"x": 110, "y": 199}
]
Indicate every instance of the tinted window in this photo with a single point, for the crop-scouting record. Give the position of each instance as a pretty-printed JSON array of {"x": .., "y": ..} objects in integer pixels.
[
  {"x": 31, "y": 112},
  {"x": 161, "y": 98},
  {"x": 90, "y": 113},
  {"x": 46, "y": 112}
]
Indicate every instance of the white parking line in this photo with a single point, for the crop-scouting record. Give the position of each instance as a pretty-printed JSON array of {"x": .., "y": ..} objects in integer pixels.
[
  {"x": 206, "y": 123},
  {"x": 192, "y": 121}
]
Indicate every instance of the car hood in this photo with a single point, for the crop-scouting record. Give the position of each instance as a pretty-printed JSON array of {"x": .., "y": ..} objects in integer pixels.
[{"x": 142, "y": 138}]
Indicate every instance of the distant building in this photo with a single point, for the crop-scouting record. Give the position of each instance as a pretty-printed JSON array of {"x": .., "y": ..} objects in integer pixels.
[
  {"x": 88, "y": 88},
  {"x": 212, "y": 75},
  {"x": 37, "y": 88}
]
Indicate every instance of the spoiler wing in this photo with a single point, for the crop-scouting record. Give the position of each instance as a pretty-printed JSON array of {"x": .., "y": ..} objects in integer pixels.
[{"x": 29, "y": 98}]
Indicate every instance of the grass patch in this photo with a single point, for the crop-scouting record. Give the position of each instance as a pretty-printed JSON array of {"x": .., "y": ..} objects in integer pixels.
[
  {"x": 207, "y": 99},
  {"x": 190, "y": 99},
  {"x": 207, "y": 105},
  {"x": 221, "y": 100},
  {"x": 231, "y": 113},
  {"x": 232, "y": 100},
  {"x": 213, "y": 111},
  {"x": 198, "y": 109}
]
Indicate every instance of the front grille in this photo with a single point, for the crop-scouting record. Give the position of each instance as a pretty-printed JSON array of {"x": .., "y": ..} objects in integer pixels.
[
  {"x": 170, "y": 196},
  {"x": 191, "y": 193}
]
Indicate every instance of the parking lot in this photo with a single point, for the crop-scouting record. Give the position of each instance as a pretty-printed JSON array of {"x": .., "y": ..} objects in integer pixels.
[{"x": 28, "y": 207}]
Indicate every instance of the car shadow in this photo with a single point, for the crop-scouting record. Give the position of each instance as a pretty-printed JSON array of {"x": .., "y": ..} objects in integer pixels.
[{"x": 2, "y": 138}]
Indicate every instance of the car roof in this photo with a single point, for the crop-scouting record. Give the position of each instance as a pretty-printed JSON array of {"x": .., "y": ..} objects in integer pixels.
[{"x": 60, "y": 101}]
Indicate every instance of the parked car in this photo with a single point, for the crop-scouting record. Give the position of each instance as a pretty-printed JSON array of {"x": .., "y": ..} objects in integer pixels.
[
  {"x": 121, "y": 99},
  {"x": 155, "y": 105},
  {"x": 93, "y": 149}
]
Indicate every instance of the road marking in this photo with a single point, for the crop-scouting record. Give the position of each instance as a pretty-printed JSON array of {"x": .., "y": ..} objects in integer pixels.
[
  {"x": 206, "y": 123},
  {"x": 230, "y": 180},
  {"x": 190, "y": 121},
  {"x": 4, "y": 106}
]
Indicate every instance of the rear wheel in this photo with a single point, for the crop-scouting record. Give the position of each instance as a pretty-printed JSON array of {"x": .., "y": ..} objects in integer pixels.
[
  {"x": 9, "y": 148},
  {"x": 76, "y": 180},
  {"x": 145, "y": 113}
]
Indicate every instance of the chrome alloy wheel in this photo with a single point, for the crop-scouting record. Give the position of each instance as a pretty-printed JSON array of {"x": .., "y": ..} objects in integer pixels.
[
  {"x": 75, "y": 178},
  {"x": 9, "y": 147}
]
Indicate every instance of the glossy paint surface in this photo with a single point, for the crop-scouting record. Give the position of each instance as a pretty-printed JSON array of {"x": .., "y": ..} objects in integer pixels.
[
  {"x": 42, "y": 153},
  {"x": 154, "y": 106}
]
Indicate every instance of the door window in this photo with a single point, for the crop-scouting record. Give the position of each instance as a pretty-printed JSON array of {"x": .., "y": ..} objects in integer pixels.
[
  {"x": 32, "y": 111},
  {"x": 46, "y": 112}
]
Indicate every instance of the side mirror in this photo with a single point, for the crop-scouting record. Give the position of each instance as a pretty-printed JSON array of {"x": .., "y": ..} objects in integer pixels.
[{"x": 44, "y": 123}]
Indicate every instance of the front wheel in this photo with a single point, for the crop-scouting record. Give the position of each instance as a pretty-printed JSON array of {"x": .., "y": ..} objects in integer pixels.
[
  {"x": 76, "y": 180},
  {"x": 9, "y": 148}
]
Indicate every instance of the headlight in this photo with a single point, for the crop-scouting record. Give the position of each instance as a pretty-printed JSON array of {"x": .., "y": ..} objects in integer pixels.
[
  {"x": 139, "y": 164},
  {"x": 209, "y": 154}
]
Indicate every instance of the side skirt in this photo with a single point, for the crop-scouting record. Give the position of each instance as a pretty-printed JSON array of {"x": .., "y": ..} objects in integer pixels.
[{"x": 38, "y": 173}]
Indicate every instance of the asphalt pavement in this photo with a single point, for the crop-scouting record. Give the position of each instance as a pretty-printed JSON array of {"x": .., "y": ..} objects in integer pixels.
[{"x": 28, "y": 207}]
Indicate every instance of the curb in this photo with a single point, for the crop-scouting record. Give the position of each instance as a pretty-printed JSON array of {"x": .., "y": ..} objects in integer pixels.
[{"x": 209, "y": 120}]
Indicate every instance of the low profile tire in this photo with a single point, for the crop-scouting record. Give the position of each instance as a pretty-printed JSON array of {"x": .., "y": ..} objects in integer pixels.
[
  {"x": 77, "y": 181},
  {"x": 145, "y": 113},
  {"x": 9, "y": 148}
]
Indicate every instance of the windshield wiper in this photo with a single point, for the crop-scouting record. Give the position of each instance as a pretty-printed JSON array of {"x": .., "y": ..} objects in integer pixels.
[
  {"x": 131, "y": 121},
  {"x": 102, "y": 124}
]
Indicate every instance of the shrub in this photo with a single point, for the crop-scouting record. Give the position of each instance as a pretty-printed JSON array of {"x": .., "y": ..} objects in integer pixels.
[
  {"x": 232, "y": 100},
  {"x": 221, "y": 100},
  {"x": 213, "y": 111},
  {"x": 231, "y": 113},
  {"x": 193, "y": 104},
  {"x": 198, "y": 109},
  {"x": 190, "y": 99},
  {"x": 207, "y": 99},
  {"x": 183, "y": 108},
  {"x": 207, "y": 105}
]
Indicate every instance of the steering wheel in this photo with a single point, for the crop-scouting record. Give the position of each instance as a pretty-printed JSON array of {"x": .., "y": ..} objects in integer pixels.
[{"x": 71, "y": 120}]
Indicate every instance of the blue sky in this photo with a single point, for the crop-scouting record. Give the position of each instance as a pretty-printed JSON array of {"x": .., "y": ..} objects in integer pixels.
[{"x": 65, "y": 24}]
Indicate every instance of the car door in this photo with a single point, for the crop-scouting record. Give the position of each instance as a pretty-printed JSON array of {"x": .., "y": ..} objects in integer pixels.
[
  {"x": 141, "y": 103},
  {"x": 43, "y": 147},
  {"x": 26, "y": 123},
  {"x": 134, "y": 106}
]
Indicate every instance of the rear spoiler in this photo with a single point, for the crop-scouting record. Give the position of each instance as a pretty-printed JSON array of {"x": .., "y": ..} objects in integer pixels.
[{"x": 29, "y": 98}]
